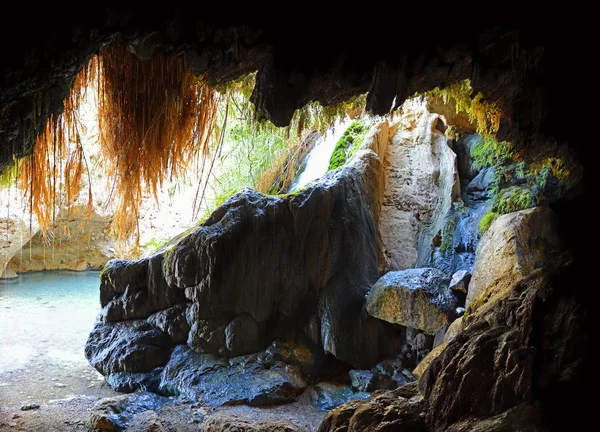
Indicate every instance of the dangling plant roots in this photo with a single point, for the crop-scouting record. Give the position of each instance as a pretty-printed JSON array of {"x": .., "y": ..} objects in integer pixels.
[{"x": 153, "y": 118}]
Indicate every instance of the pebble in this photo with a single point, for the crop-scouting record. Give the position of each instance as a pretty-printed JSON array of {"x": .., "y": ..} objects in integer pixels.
[
  {"x": 30, "y": 406},
  {"x": 61, "y": 385},
  {"x": 16, "y": 416}
]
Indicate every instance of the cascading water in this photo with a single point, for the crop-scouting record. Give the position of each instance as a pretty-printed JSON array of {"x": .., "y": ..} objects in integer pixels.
[{"x": 317, "y": 161}]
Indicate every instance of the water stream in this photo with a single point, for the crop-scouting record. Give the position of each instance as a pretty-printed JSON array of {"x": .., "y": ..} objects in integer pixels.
[
  {"x": 317, "y": 161},
  {"x": 45, "y": 319}
]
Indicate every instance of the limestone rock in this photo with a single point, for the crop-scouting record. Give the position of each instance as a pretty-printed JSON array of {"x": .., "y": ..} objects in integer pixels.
[
  {"x": 478, "y": 188},
  {"x": 363, "y": 380},
  {"x": 262, "y": 268},
  {"x": 420, "y": 179},
  {"x": 128, "y": 382},
  {"x": 148, "y": 421},
  {"x": 242, "y": 336},
  {"x": 370, "y": 380},
  {"x": 128, "y": 346},
  {"x": 398, "y": 410},
  {"x": 116, "y": 413},
  {"x": 513, "y": 247},
  {"x": 173, "y": 322},
  {"x": 216, "y": 381},
  {"x": 224, "y": 423},
  {"x": 418, "y": 371},
  {"x": 507, "y": 334},
  {"x": 417, "y": 298},
  {"x": 328, "y": 395},
  {"x": 526, "y": 418},
  {"x": 460, "y": 281},
  {"x": 136, "y": 289},
  {"x": 308, "y": 359},
  {"x": 454, "y": 329}
]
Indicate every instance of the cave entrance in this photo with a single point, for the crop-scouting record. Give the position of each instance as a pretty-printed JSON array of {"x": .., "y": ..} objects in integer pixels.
[{"x": 57, "y": 225}]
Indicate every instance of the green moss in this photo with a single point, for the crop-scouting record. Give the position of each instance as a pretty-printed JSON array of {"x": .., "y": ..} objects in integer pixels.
[
  {"x": 486, "y": 221},
  {"x": 349, "y": 142},
  {"x": 489, "y": 152},
  {"x": 513, "y": 199},
  {"x": 448, "y": 234}
]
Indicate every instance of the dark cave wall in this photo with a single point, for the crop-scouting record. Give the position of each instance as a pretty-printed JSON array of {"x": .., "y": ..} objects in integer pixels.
[
  {"x": 298, "y": 61},
  {"x": 537, "y": 74}
]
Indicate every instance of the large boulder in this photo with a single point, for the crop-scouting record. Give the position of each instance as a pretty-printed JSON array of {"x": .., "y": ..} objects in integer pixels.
[
  {"x": 513, "y": 247},
  {"x": 417, "y": 298},
  {"x": 215, "y": 381},
  {"x": 127, "y": 346},
  {"x": 397, "y": 410},
  {"x": 267, "y": 267},
  {"x": 136, "y": 289},
  {"x": 522, "y": 346}
]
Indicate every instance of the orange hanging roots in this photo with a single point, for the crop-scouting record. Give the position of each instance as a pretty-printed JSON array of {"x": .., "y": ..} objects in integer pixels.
[{"x": 153, "y": 117}]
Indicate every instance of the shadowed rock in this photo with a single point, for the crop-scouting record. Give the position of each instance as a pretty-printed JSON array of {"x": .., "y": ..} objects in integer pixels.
[
  {"x": 128, "y": 346},
  {"x": 216, "y": 381},
  {"x": 417, "y": 298}
]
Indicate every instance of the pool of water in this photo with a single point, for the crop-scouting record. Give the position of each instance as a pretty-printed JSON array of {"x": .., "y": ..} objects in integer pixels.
[
  {"x": 46, "y": 314},
  {"x": 45, "y": 319}
]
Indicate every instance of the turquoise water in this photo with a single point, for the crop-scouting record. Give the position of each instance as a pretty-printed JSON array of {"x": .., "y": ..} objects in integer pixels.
[{"x": 47, "y": 316}]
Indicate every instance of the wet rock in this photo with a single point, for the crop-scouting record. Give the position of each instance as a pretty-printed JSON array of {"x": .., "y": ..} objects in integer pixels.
[
  {"x": 244, "y": 266},
  {"x": 173, "y": 322},
  {"x": 479, "y": 187},
  {"x": 136, "y": 289},
  {"x": 127, "y": 382},
  {"x": 117, "y": 413},
  {"x": 417, "y": 298},
  {"x": 513, "y": 247},
  {"x": 216, "y": 381},
  {"x": 506, "y": 334},
  {"x": 328, "y": 395},
  {"x": 223, "y": 423},
  {"x": 29, "y": 406},
  {"x": 371, "y": 380},
  {"x": 242, "y": 336},
  {"x": 206, "y": 335},
  {"x": 306, "y": 357},
  {"x": 392, "y": 373},
  {"x": 460, "y": 281},
  {"x": 396, "y": 410},
  {"x": 363, "y": 380},
  {"x": 128, "y": 346}
]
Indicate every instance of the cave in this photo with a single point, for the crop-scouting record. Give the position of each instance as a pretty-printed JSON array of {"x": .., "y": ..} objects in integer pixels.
[{"x": 519, "y": 360}]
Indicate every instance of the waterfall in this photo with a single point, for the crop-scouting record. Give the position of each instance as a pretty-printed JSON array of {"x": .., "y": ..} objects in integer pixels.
[{"x": 317, "y": 161}]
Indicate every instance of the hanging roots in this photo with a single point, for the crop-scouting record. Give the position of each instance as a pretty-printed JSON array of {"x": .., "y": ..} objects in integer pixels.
[{"x": 153, "y": 117}]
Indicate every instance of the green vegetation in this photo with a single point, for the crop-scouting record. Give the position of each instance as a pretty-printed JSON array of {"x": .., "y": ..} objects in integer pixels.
[
  {"x": 486, "y": 221},
  {"x": 251, "y": 152},
  {"x": 347, "y": 145},
  {"x": 458, "y": 209},
  {"x": 488, "y": 152},
  {"x": 484, "y": 114},
  {"x": 513, "y": 199}
]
